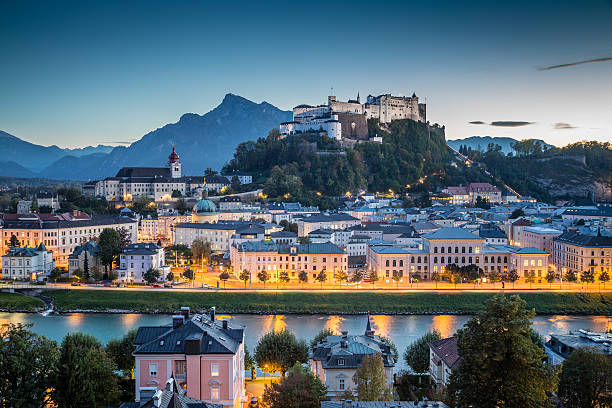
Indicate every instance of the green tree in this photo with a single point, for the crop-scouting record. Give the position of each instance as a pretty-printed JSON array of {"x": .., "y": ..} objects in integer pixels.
[
  {"x": 120, "y": 351},
  {"x": 587, "y": 277},
  {"x": 435, "y": 276},
  {"x": 96, "y": 272},
  {"x": 494, "y": 276},
  {"x": 181, "y": 206},
  {"x": 371, "y": 380},
  {"x": 176, "y": 194},
  {"x": 109, "y": 246},
  {"x": 279, "y": 351},
  {"x": 604, "y": 277},
  {"x": 320, "y": 336},
  {"x": 249, "y": 363},
  {"x": 188, "y": 274},
  {"x": 34, "y": 205},
  {"x": 170, "y": 277},
  {"x": 245, "y": 276},
  {"x": 417, "y": 354},
  {"x": 78, "y": 273},
  {"x": 55, "y": 274},
  {"x": 151, "y": 276},
  {"x": 513, "y": 276},
  {"x": 570, "y": 276},
  {"x": 14, "y": 242},
  {"x": 530, "y": 277},
  {"x": 224, "y": 276},
  {"x": 397, "y": 277},
  {"x": 300, "y": 388},
  {"x": 84, "y": 371},
  {"x": 585, "y": 380},
  {"x": 321, "y": 277},
  {"x": 550, "y": 277},
  {"x": 283, "y": 277},
  {"x": 125, "y": 236},
  {"x": 28, "y": 363},
  {"x": 482, "y": 203},
  {"x": 86, "y": 274},
  {"x": 517, "y": 214},
  {"x": 501, "y": 365},
  {"x": 373, "y": 277},
  {"x": 263, "y": 276},
  {"x": 357, "y": 276},
  {"x": 340, "y": 276},
  {"x": 303, "y": 276},
  {"x": 201, "y": 250}
]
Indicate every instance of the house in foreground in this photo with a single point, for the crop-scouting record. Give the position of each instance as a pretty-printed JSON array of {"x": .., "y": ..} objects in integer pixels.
[
  {"x": 205, "y": 356},
  {"x": 336, "y": 359},
  {"x": 443, "y": 357},
  {"x": 27, "y": 263},
  {"x": 171, "y": 396},
  {"x": 560, "y": 346},
  {"x": 137, "y": 259}
]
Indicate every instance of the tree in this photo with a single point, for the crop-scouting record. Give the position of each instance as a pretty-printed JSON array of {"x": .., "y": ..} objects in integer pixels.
[
  {"x": 14, "y": 242},
  {"x": 84, "y": 370},
  {"x": 109, "y": 246},
  {"x": 55, "y": 274},
  {"x": 188, "y": 274},
  {"x": 513, "y": 276},
  {"x": 263, "y": 276},
  {"x": 170, "y": 277},
  {"x": 96, "y": 272},
  {"x": 587, "y": 277},
  {"x": 181, "y": 206},
  {"x": 417, "y": 354},
  {"x": 435, "y": 276},
  {"x": 397, "y": 277},
  {"x": 249, "y": 363},
  {"x": 494, "y": 276},
  {"x": 604, "y": 277},
  {"x": 151, "y": 276},
  {"x": 585, "y": 380},
  {"x": 279, "y": 351},
  {"x": 176, "y": 194},
  {"x": 529, "y": 277},
  {"x": 224, "y": 276},
  {"x": 502, "y": 364},
  {"x": 28, "y": 363},
  {"x": 570, "y": 276},
  {"x": 373, "y": 277},
  {"x": 300, "y": 388},
  {"x": 482, "y": 203},
  {"x": 120, "y": 351},
  {"x": 34, "y": 205},
  {"x": 85, "y": 266},
  {"x": 45, "y": 209},
  {"x": 357, "y": 276},
  {"x": 201, "y": 250},
  {"x": 126, "y": 236},
  {"x": 371, "y": 380},
  {"x": 340, "y": 276},
  {"x": 321, "y": 277},
  {"x": 245, "y": 276},
  {"x": 210, "y": 172},
  {"x": 550, "y": 277},
  {"x": 303, "y": 276},
  {"x": 452, "y": 273},
  {"x": 517, "y": 213},
  {"x": 320, "y": 336},
  {"x": 283, "y": 276}
]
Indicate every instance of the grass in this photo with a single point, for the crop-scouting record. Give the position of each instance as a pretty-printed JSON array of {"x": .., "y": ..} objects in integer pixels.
[
  {"x": 13, "y": 302},
  {"x": 328, "y": 303}
]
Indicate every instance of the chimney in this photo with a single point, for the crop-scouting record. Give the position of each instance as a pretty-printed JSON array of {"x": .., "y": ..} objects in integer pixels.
[
  {"x": 185, "y": 311},
  {"x": 224, "y": 324},
  {"x": 344, "y": 334},
  {"x": 177, "y": 321},
  {"x": 212, "y": 313}
]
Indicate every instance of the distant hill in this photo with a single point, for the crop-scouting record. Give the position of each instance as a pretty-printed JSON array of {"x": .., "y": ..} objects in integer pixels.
[
  {"x": 481, "y": 143},
  {"x": 201, "y": 141},
  {"x": 84, "y": 151},
  {"x": 12, "y": 169}
]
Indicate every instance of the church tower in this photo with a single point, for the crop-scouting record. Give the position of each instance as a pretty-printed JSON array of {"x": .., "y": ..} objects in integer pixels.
[{"x": 174, "y": 164}]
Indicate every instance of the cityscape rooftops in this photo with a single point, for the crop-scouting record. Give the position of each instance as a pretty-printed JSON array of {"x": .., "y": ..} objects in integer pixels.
[
  {"x": 450, "y": 233},
  {"x": 446, "y": 350},
  {"x": 585, "y": 240},
  {"x": 329, "y": 218}
]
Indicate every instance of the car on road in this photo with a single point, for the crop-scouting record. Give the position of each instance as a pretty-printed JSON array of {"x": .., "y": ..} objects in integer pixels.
[
  {"x": 205, "y": 286},
  {"x": 108, "y": 284},
  {"x": 254, "y": 403},
  {"x": 168, "y": 285},
  {"x": 75, "y": 284},
  {"x": 120, "y": 285},
  {"x": 158, "y": 285}
]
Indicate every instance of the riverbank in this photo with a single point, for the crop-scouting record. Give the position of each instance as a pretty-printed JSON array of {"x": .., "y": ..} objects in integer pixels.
[
  {"x": 15, "y": 302},
  {"x": 118, "y": 301}
]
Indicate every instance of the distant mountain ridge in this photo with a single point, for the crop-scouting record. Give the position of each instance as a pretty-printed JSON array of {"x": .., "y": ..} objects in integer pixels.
[
  {"x": 481, "y": 143},
  {"x": 201, "y": 141}
]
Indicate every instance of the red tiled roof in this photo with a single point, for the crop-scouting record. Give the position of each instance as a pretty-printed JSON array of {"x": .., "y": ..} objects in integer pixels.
[{"x": 446, "y": 350}]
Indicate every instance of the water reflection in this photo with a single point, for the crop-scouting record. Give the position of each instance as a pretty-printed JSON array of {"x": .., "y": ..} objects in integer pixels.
[
  {"x": 381, "y": 324},
  {"x": 447, "y": 325},
  {"x": 334, "y": 323}
]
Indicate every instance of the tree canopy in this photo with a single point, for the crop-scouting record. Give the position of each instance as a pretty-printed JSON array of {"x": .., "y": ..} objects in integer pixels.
[
  {"x": 417, "y": 354},
  {"x": 299, "y": 388},
  {"x": 585, "y": 380},
  {"x": 279, "y": 351}
]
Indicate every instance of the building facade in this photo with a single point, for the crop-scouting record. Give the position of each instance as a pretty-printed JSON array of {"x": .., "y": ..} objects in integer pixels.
[
  {"x": 27, "y": 263},
  {"x": 577, "y": 253},
  {"x": 137, "y": 259}
]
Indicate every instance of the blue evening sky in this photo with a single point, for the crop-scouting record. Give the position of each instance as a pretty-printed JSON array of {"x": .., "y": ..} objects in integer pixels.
[{"x": 88, "y": 72}]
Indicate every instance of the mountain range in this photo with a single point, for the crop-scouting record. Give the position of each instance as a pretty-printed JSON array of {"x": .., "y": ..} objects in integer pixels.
[
  {"x": 481, "y": 143},
  {"x": 202, "y": 141}
]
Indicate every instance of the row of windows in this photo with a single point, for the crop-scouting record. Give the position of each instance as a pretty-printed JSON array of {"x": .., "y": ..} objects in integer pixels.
[{"x": 450, "y": 250}]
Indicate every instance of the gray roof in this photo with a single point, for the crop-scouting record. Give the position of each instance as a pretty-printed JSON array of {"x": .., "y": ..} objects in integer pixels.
[
  {"x": 268, "y": 246},
  {"x": 450, "y": 233},
  {"x": 283, "y": 234},
  {"x": 142, "y": 248},
  {"x": 171, "y": 396},
  {"x": 140, "y": 172},
  {"x": 584, "y": 240},
  {"x": 90, "y": 246},
  {"x": 329, "y": 218},
  {"x": 210, "y": 335}
]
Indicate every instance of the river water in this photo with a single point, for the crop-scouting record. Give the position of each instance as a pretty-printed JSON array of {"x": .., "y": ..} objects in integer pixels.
[{"x": 401, "y": 329}]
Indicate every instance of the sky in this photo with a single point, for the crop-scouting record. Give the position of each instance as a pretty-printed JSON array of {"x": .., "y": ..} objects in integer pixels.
[{"x": 106, "y": 72}]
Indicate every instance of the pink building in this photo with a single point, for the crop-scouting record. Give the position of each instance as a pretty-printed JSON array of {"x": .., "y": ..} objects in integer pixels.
[
  {"x": 205, "y": 356},
  {"x": 539, "y": 237}
]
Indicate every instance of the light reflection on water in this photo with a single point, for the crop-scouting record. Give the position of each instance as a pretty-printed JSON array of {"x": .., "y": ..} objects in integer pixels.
[{"x": 401, "y": 329}]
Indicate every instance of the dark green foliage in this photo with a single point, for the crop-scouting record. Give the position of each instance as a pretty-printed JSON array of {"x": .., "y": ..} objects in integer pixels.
[
  {"x": 120, "y": 351},
  {"x": 109, "y": 246},
  {"x": 300, "y": 388},
  {"x": 279, "y": 351},
  {"x": 417, "y": 354},
  {"x": 27, "y": 364},
  {"x": 151, "y": 275},
  {"x": 585, "y": 380},
  {"x": 14, "y": 242},
  {"x": 502, "y": 364},
  {"x": 320, "y": 336},
  {"x": 517, "y": 213}
]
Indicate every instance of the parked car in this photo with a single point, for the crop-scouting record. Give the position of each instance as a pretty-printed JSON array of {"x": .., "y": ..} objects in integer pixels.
[
  {"x": 167, "y": 285},
  {"x": 205, "y": 286},
  {"x": 75, "y": 284},
  {"x": 158, "y": 285},
  {"x": 120, "y": 285},
  {"x": 108, "y": 284}
]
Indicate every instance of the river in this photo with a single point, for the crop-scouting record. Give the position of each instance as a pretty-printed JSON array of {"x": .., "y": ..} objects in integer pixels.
[{"x": 401, "y": 329}]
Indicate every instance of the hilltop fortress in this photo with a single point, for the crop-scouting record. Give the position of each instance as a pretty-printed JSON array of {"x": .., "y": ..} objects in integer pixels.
[{"x": 349, "y": 119}]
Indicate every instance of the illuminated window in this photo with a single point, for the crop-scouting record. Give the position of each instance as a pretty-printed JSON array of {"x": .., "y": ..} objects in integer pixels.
[
  {"x": 153, "y": 370},
  {"x": 214, "y": 370},
  {"x": 215, "y": 394}
]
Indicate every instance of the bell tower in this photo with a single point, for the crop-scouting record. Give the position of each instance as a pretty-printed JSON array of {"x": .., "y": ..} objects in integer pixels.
[{"x": 174, "y": 164}]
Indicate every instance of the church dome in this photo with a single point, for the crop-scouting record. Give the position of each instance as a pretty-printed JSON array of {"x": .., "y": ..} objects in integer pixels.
[
  {"x": 204, "y": 206},
  {"x": 174, "y": 157}
]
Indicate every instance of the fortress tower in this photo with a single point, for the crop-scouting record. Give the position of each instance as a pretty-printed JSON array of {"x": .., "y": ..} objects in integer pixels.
[{"x": 174, "y": 164}]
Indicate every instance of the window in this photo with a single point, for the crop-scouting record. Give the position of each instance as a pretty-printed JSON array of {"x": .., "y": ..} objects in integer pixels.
[
  {"x": 340, "y": 361},
  {"x": 214, "y": 370},
  {"x": 180, "y": 368},
  {"x": 341, "y": 384},
  {"x": 153, "y": 370},
  {"x": 215, "y": 394}
]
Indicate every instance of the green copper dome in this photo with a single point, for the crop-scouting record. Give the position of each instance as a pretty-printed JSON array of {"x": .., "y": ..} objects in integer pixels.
[{"x": 204, "y": 206}]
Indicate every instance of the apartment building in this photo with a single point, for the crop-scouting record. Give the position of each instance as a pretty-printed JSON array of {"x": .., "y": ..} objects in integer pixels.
[
  {"x": 578, "y": 253},
  {"x": 137, "y": 259},
  {"x": 27, "y": 263},
  {"x": 325, "y": 221}
]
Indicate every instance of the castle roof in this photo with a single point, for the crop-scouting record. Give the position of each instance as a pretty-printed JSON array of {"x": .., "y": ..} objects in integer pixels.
[{"x": 173, "y": 158}]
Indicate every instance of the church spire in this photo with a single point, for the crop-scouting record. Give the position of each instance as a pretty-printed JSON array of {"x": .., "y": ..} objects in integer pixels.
[
  {"x": 368, "y": 330},
  {"x": 358, "y": 101}
]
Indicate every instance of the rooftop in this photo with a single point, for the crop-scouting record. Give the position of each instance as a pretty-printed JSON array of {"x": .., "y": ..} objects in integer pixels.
[{"x": 450, "y": 233}]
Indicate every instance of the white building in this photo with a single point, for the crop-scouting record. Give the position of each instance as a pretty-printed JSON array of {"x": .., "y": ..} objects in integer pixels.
[
  {"x": 136, "y": 259},
  {"x": 27, "y": 263},
  {"x": 338, "y": 221}
]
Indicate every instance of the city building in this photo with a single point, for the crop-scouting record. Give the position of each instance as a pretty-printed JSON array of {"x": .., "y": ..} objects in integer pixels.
[
  {"x": 136, "y": 259},
  {"x": 284, "y": 238},
  {"x": 336, "y": 359},
  {"x": 203, "y": 354},
  {"x": 325, "y": 221},
  {"x": 268, "y": 256},
  {"x": 539, "y": 237},
  {"x": 61, "y": 233},
  {"x": 229, "y": 203},
  {"x": 493, "y": 234},
  {"x": 76, "y": 260},
  {"x": 470, "y": 193},
  {"x": 204, "y": 211},
  {"x": 243, "y": 178},
  {"x": 27, "y": 263},
  {"x": 219, "y": 234},
  {"x": 578, "y": 253},
  {"x": 443, "y": 357},
  {"x": 560, "y": 346}
]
